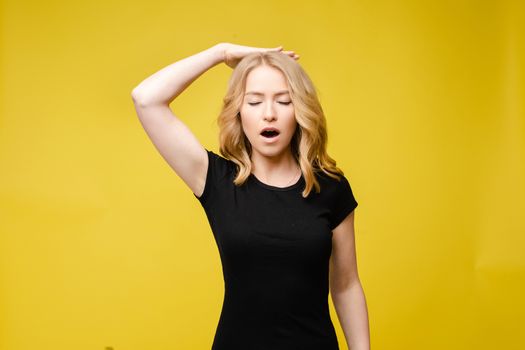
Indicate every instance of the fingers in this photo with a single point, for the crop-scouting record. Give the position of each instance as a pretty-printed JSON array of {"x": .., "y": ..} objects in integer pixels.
[{"x": 292, "y": 54}]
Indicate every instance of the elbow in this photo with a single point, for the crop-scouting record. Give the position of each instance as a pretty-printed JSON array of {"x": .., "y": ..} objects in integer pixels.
[
  {"x": 142, "y": 99},
  {"x": 139, "y": 100},
  {"x": 136, "y": 97},
  {"x": 342, "y": 285}
]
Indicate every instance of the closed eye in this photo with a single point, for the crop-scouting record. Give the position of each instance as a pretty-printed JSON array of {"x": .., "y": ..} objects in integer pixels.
[{"x": 256, "y": 103}]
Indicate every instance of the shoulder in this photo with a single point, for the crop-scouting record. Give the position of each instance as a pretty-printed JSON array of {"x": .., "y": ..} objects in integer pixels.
[
  {"x": 332, "y": 185},
  {"x": 329, "y": 187},
  {"x": 219, "y": 175},
  {"x": 337, "y": 196},
  {"x": 219, "y": 164}
]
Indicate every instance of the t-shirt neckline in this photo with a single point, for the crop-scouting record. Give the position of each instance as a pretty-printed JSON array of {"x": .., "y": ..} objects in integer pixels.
[{"x": 275, "y": 188}]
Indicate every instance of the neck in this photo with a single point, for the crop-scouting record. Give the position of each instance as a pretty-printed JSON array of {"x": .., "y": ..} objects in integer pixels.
[{"x": 280, "y": 169}]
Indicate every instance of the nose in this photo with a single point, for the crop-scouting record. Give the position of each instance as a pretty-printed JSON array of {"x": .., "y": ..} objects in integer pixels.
[{"x": 269, "y": 113}]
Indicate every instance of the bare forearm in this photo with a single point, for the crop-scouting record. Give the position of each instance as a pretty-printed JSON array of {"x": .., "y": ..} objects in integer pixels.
[
  {"x": 165, "y": 85},
  {"x": 350, "y": 305}
]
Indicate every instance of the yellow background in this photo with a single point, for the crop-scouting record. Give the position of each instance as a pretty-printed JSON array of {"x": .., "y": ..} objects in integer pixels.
[{"x": 102, "y": 245}]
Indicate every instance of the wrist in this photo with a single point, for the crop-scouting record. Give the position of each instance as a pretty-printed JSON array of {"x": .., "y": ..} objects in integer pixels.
[{"x": 218, "y": 53}]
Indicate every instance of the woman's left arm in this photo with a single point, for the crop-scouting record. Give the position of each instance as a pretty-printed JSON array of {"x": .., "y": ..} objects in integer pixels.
[{"x": 345, "y": 287}]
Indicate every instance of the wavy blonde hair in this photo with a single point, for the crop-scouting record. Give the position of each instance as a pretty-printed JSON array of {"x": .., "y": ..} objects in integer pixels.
[{"x": 308, "y": 144}]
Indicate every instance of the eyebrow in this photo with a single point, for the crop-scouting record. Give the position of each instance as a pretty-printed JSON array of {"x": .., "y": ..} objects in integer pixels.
[{"x": 261, "y": 94}]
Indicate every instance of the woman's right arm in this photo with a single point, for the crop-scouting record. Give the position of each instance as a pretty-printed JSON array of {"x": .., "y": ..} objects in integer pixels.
[{"x": 171, "y": 137}]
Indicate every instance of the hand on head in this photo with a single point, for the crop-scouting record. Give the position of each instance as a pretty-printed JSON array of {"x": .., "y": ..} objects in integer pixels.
[{"x": 233, "y": 54}]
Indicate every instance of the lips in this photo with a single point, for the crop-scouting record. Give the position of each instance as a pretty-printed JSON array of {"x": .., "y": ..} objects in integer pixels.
[{"x": 270, "y": 132}]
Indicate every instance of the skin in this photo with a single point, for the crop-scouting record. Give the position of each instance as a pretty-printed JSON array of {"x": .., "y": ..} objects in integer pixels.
[{"x": 272, "y": 163}]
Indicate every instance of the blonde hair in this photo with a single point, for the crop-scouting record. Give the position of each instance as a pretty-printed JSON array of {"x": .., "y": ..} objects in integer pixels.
[{"x": 308, "y": 144}]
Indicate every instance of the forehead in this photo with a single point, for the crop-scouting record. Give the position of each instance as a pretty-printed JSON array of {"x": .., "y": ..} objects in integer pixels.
[{"x": 266, "y": 80}]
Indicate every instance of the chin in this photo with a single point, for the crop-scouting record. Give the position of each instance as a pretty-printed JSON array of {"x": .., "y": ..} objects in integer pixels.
[{"x": 270, "y": 151}]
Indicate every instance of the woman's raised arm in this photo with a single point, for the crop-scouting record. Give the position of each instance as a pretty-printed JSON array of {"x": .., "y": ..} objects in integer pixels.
[{"x": 171, "y": 137}]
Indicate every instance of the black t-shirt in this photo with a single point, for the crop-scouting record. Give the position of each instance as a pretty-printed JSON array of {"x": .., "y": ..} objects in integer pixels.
[{"x": 275, "y": 248}]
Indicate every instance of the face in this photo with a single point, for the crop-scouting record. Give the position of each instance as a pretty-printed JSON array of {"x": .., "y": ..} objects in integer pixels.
[{"x": 267, "y": 104}]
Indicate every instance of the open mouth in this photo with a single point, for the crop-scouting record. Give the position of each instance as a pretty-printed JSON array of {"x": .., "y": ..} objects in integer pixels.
[{"x": 269, "y": 133}]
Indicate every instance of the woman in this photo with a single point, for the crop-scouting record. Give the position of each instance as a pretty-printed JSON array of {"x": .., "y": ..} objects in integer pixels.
[{"x": 281, "y": 212}]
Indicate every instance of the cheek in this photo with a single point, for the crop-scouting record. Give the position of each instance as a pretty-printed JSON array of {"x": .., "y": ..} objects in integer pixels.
[
  {"x": 292, "y": 124},
  {"x": 248, "y": 125}
]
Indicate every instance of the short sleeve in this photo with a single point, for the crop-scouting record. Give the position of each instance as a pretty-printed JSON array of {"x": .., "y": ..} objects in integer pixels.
[
  {"x": 218, "y": 169},
  {"x": 343, "y": 202}
]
